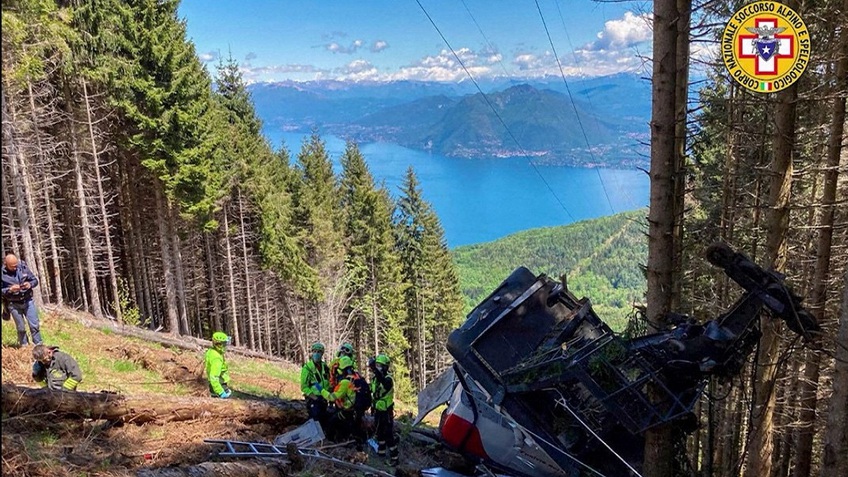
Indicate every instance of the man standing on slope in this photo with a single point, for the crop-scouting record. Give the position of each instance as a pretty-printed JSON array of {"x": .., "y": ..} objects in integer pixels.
[
  {"x": 54, "y": 369},
  {"x": 216, "y": 366},
  {"x": 18, "y": 282},
  {"x": 314, "y": 378}
]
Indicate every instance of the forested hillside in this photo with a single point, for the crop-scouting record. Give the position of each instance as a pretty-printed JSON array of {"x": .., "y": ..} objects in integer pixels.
[
  {"x": 544, "y": 123},
  {"x": 764, "y": 172},
  {"x": 137, "y": 185},
  {"x": 602, "y": 259}
]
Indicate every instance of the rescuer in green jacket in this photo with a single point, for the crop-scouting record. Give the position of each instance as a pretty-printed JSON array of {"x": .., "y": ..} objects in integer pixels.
[
  {"x": 54, "y": 369},
  {"x": 216, "y": 366},
  {"x": 383, "y": 395},
  {"x": 345, "y": 422},
  {"x": 314, "y": 378}
]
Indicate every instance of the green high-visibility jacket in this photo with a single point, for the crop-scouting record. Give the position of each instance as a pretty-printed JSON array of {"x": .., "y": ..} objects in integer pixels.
[
  {"x": 312, "y": 374},
  {"x": 383, "y": 391},
  {"x": 217, "y": 370},
  {"x": 344, "y": 394}
]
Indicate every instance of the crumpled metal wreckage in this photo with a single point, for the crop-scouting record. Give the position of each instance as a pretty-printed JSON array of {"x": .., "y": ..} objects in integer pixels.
[{"x": 542, "y": 387}]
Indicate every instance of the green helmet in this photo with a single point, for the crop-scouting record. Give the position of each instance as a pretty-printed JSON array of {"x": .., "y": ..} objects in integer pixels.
[
  {"x": 382, "y": 359},
  {"x": 220, "y": 337},
  {"x": 317, "y": 347},
  {"x": 345, "y": 362},
  {"x": 346, "y": 349}
]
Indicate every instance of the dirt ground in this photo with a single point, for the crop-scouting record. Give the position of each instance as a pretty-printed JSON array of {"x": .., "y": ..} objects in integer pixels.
[{"x": 40, "y": 445}]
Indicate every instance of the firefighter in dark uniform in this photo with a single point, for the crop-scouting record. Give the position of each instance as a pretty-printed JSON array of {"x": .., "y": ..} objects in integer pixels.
[{"x": 55, "y": 369}]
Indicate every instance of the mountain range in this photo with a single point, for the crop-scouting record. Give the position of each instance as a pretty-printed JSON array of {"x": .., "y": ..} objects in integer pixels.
[{"x": 590, "y": 122}]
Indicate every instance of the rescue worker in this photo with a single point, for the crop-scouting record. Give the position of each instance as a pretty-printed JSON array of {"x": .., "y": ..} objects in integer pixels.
[
  {"x": 216, "y": 366},
  {"x": 383, "y": 394},
  {"x": 55, "y": 369},
  {"x": 345, "y": 422},
  {"x": 314, "y": 378},
  {"x": 335, "y": 373}
]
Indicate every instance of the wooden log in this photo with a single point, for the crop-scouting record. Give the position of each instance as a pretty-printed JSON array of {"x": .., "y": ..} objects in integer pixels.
[
  {"x": 220, "y": 469},
  {"x": 19, "y": 400}
]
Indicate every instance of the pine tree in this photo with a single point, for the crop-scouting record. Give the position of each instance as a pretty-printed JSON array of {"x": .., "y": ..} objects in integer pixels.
[
  {"x": 373, "y": 265},
  {"x": 433, "y": 300},
  {"x": 318, "y": 221}
]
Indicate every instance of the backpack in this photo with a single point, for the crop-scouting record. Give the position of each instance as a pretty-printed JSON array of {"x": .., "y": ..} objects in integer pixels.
[{"x": 362, "y": 401}]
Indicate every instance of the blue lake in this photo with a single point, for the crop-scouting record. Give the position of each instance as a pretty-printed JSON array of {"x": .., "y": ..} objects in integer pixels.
[{"x": 479, "y": 200}]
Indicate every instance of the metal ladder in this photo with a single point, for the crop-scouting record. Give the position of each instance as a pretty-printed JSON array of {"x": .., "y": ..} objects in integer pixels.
[{"x": 240, "y": 449}]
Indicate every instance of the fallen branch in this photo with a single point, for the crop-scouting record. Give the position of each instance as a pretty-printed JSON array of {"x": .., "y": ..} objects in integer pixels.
[
  {"x": 18, "y": 400},
  {"x": 220, "y": 469}
]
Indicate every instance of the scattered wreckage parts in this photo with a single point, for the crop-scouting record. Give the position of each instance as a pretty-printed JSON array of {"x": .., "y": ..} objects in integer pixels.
[{"x": 246, "y": 450}]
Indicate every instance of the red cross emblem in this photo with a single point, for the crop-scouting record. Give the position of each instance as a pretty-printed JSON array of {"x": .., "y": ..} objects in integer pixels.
[{"x": 745, "y": 49}]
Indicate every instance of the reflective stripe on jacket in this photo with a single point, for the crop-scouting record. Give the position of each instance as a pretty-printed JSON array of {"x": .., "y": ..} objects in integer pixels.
[
  {"x": 383, "y": 392},
  {"x": 63, "y": 372},
  {"x": 344, "y": 395}
]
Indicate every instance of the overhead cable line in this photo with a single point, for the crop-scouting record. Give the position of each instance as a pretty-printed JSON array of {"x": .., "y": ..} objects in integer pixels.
[
  {"x": 574, "y": 106},
  {"x": 488, "y": 43},
  {"x": 630, "y": 199},
  {"x": 492, "y": 107}
]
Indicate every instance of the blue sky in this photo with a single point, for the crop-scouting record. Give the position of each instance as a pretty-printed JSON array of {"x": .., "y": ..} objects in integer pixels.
[{"x": 383, "y": 40}]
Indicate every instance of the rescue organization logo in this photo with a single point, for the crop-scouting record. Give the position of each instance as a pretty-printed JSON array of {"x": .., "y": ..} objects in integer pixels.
[{"x": 765, "y": 46}]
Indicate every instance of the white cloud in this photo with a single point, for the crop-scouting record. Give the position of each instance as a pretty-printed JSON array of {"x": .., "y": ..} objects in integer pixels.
[
  {"x": 617, "y": 49},
  {"x": 336, "y": 47},
  {"x": 209, "y": 56},
  {"x": 625, "y": 32},
  {"x": 253, "y": 74},
  {"x": 445, "y": 67},
  {"x": 357, "y": 70},
  {"x": 378, "y": 46}
]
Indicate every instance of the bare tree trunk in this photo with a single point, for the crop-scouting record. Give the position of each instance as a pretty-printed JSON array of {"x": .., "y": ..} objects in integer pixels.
[
  {"x": 233, "y": 310},
  {"x": 104, "y": 216},
  {"x": 681, "y": 100},
  {"x": 659, "y": 446},
  {"x": 246, "y": 267},
  {"x": 162, "y": 218},
  {"x": 179, "y": 281},
  {"x": 19, "y": 180},
  {"x": 818, "y": 298},
  {"x": 213, "y": 285},
  {"x": 835, "y": 455},
  {"x": 42, "y": 159},
  {"x": 267, "y": 317},
  {"x": 56, "y": 273},
  {"x": 278, "y": 330},
  {"x": 759, "y": 459},
  {"x": 18, "y": 400},
  {"x": 10, "y": 219},
  {"x": 85, "y": 227},
  {"x": 221, "y": 469}
]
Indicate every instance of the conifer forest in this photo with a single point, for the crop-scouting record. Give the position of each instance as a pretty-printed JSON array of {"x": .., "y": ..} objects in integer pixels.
[{"x": 137, "y": 185}]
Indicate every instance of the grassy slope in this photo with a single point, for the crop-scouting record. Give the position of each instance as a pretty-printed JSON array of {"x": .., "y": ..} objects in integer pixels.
[
  {"x": 33, "y": 445},
  {"x": 600, "y": 257}
]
